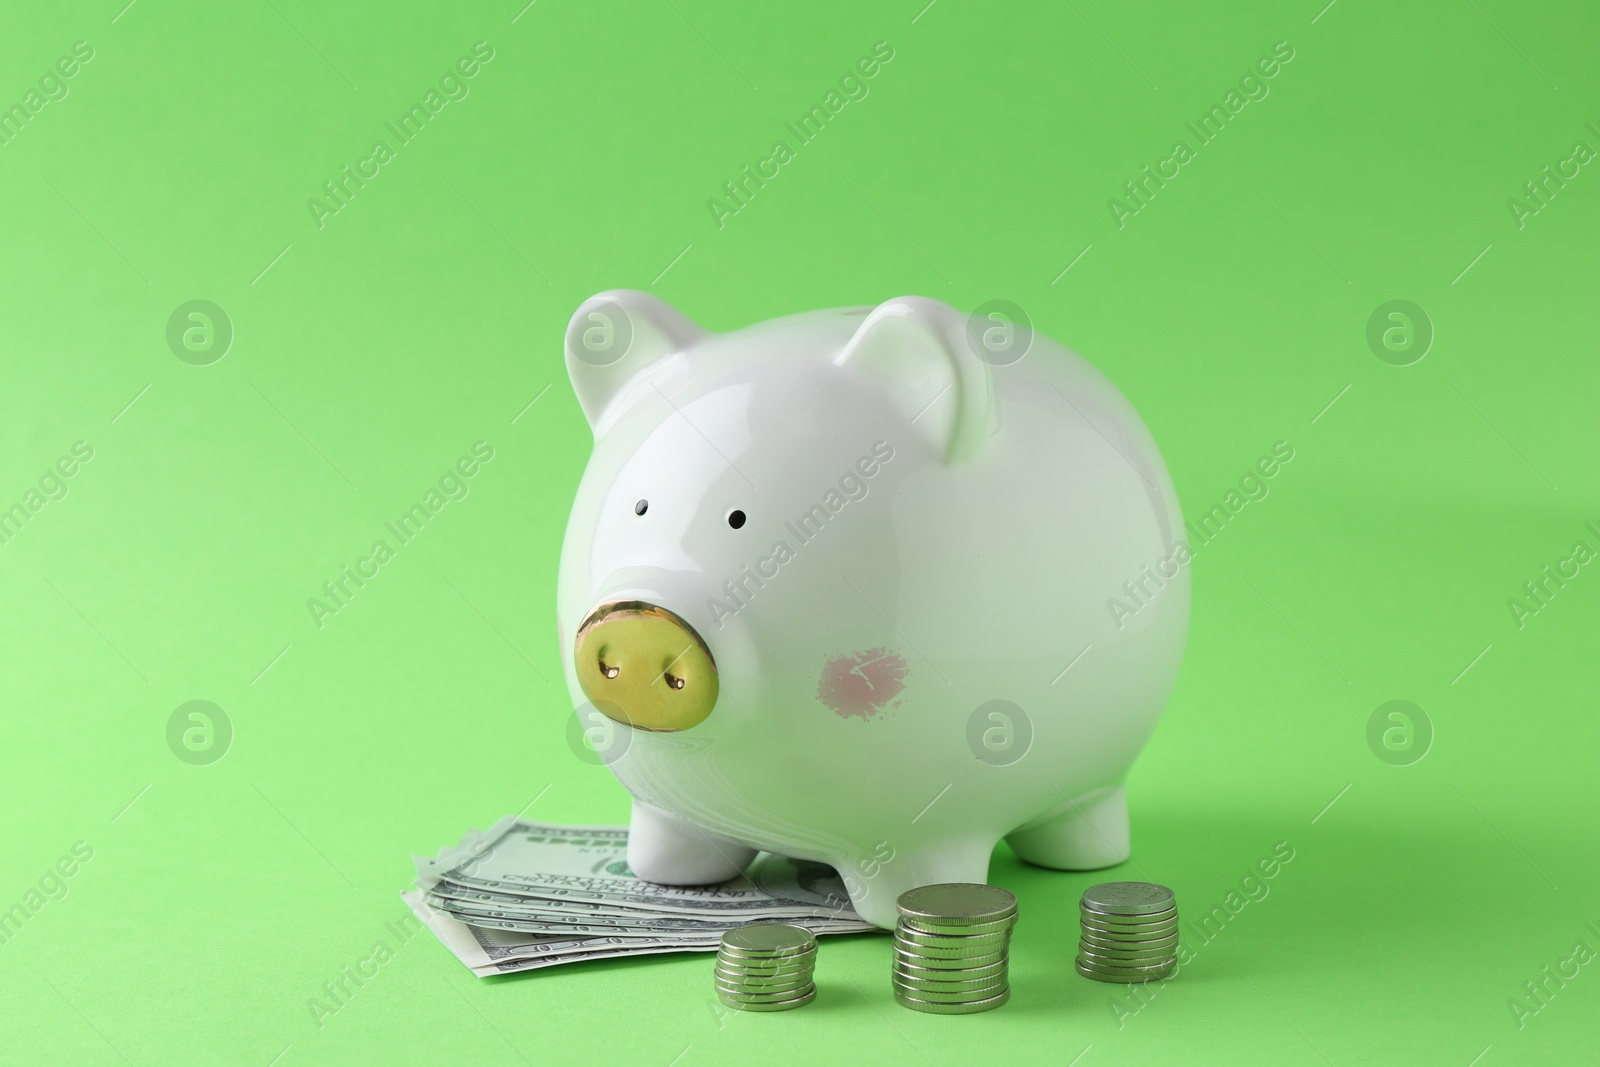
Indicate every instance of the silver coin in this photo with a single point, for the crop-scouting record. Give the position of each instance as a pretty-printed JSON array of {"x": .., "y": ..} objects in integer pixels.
[
  {"x": 947, "y": 979},
  {"x": 931, "y": 974},
  {"x": 937, "y": 963},
  {"x": 1125, "y": 977},
  {"x": 951, "y": 952},
  {"x": 1160, "y": 926},
  {"x": 758, "y": 969},
  {"x": 1165, "y": 947},
  {"x": 1106, "y": 946},
  {"x": 929, "y": 952},
  {"x": 791, "y": 990},
  {"x": 1108, "y": 968},
  {"x": 947, "y": 970},
  {"x": 774, "y": 1005},
  {"x": 1114, "y": 963},
  {"x": 934, "y": 1007},
  {"x": 955, "y": 903},
  {"x": 951, "y": 974},
  {"x": 760, "y": 985},
  {"x": 740, "y": 989},
  {"x": 772, "y": 939},
  {"x": 747, "y": 997},
  {"x": 739, "y": 969},
  {"x": 1128, "y": 942},
  {"x": 747, "y": 955},
  {"x": 933, "y": 927},
  {"x": 1116, "y": 928},
  {"x": 1121, "y": 959},
  {"x": 919, "y": 939},
  {"x": 1128, "y": 920},
  {"x": 1136, "y": 923},
  {"x": 951, "y": 996},
  {"x": 779, "y": 993},
  {"x": 912, "y": 984},
  {"x": 765, "y": 957},
  {"x": 1129, "y": 898},
  {"x": 765, "y": 994},
  {"x": 1159, "y": 933},
  {"x": 785, "y": 965},
  {"x": 954, "y": 997},
  {"x": 1155, "y": 933},
  {"x": 762, "y": 979},
  {"x": 1119, "y": 917},
  {"x": 735, "y": 959}
]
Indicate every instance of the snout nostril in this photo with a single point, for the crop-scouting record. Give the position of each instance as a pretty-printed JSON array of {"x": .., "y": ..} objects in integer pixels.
[{"x": 662, "y": 654}]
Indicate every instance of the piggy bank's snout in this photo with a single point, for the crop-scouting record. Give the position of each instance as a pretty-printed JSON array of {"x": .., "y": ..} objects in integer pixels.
[{"x": 644, "y": 666}]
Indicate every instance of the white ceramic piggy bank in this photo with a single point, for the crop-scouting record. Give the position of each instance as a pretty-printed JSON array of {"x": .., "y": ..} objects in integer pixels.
[{"x": 864, "y": 587}]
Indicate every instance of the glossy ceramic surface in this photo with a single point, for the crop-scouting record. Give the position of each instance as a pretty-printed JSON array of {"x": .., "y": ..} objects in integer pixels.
[{"x": 942, "y": 591}]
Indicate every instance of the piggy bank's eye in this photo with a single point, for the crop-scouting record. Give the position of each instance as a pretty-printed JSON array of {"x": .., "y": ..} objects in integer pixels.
[
  {"x": 641, "y": 507},
  {"x": 736, "y": 518}
]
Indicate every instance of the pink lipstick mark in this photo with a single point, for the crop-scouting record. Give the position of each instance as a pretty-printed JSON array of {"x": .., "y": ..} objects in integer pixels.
[{"x": 859, "y": 686}]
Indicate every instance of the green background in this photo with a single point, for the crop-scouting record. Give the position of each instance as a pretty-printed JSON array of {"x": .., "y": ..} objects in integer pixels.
[{"x": 428, "y": 313}]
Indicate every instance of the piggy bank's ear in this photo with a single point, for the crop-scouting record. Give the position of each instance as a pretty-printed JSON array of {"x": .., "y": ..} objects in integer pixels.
[
  {"x": 919, "y": 352},
  {"x": 616, "y": 334}
]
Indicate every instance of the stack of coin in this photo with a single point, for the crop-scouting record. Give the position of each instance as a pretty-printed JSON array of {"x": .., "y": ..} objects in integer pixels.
[
  {"x": 1130, "y": 932},
  {"x": 766, "y": 967},
  {"x": 950, "y": 948}
]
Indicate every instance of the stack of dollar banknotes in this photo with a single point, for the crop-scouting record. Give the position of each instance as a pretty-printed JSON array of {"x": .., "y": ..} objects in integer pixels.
[{"x": 523, "y": 895}]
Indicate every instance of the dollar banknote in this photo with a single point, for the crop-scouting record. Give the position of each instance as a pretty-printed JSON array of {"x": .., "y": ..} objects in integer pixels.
[{"x": 523, "y": 895}]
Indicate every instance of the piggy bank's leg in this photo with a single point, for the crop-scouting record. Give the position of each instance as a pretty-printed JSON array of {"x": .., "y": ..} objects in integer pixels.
[
  {"x": 663, "y": 848},
  {"x": 1090, "y": 833},
  {"x": 874, "y": 896}
]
